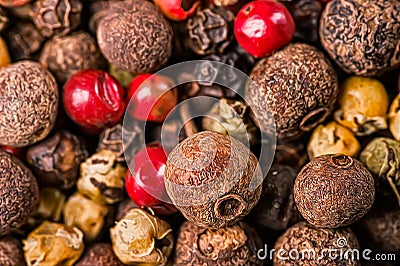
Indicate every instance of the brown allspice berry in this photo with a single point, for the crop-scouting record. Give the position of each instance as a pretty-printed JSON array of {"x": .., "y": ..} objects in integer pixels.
[
  {"x": 56, "y": 17},
  {"x": 334, "y": 190},
  {"x": 135, "y": 37},
  {"x": 233, "y": 245},
  {"x": 19, "y": 192},
  {"x": 363, "y": 37},
  {"x": 67, "y": 55},
  {"x": 29, "y": 103},
  {"x": 56, "y": 160},
  {"x": 100, "y": 254},
  {"x": 11, "y": 252},
  {"x": 213, "y": 179},
  {"x": 293, "y": 91},
  {"x": 304, "y": 244}
]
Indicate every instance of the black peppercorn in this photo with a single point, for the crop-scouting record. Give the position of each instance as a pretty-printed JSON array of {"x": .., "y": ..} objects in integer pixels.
[
  {"x": 11, "y": 252},
  {"x": 99, "y": 254}
]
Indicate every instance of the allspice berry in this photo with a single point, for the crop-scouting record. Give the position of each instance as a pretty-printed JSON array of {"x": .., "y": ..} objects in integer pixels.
[
  {"x": 67, "y": 55},
  {"x": 213, "y": 179},
  {"x": 29, "y": 103},
  {"x": 135, "y": 37},
  {"x": 233, "y": 245},
  {"x": 333, "y": 191},
  {"x": 293, "y": 91},
  {"x": 19, "y": 193},
  {"x": 11, "y": 252},
  {"x": 363, "y": 37},
  {"x": 99, "y": 254},
  {"x": 303, "y": 244}
]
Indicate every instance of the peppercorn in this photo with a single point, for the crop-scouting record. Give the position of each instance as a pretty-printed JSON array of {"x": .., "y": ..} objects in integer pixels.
[
  {"x": 233, "y": 245},
  {"x": 19, "y": 193},
  {"x": 333, "y": 191},
  {"x": 382, "y": 158},
  {"x": 67, "y": 55},
  {"x": 56, "y": 17},
  {"x": 363, "y": 37},
  {"x": 293, "y": 91},
  {"x": 87, "y": 215},
  {"x": 332, "y": 138},
  {"x": 102, "y": 179},
  {"x": 276, "y": 208},
  {"x": 316, "y": 246},
  {"x": 210, "y": 30},
  {"x": 135, "y": 37},
  {"x": 141, "y": 238},
  {"x": 56, "y": 160},
  {"x": 100, "y": 254},
  {"x": 11, "y": 251},
  {"x": 53, "y": 244},
  {"x": 29, "y": 102},
  {"x": 363, "y": 105},
  {"x": 213, "y": 179},
  {"x": 394, "y": 117}
]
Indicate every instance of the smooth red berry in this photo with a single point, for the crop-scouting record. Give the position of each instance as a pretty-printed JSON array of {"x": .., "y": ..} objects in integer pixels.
[
  {"x": 145, "y": 184},
  {"x": 152, "y": 97},
  {"x": 173, "y": 9},
  {"x": 262, "y": 27},
  {"x": 94, "y": 100}
]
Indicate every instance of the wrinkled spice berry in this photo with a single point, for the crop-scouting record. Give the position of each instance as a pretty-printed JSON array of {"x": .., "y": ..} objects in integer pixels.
[
  {"x": 99, "y": 254},
  {"x": 11, "y": 252}
]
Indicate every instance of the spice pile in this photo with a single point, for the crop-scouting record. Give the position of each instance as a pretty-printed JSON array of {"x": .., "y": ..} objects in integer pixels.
[{"x": 94, "y": 171}]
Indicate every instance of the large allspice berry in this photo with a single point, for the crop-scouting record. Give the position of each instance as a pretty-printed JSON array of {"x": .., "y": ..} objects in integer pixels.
[
  {"x": 28, "y": 103},
  {"x": 213, "y": 179},
  {"x": 233, "y": 245},
  {"x": 363, "y": 37},
  {"x": 303, "y": 244},
  {"x": 135, "y": 37},
  {"x": 293, "y": 91},
  {"x": 334, "y": 190},
  {"x": 19, "y": 193}
]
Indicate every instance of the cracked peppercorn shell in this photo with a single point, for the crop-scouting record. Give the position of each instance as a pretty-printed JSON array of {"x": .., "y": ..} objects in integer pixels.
[
  {"x": 56, "y": 160},
  {"x": 29, "y": 103},
  {"x": 11, "y": 252},
  {"x": 56, "y": 17},
  {"x": 19, "y": 193},
  {"x": 135, "y": 37},
  {"x": 293, "y": 91},
  {"x": 233, "y": 245},
  {"x": 326, "y": 244},
  {"x": 363, "y": 37},
  {"x": 100, "y": 254},
  {"x": 67, "y": 55},
  {"x": 332, "y": 191},
  {"x": 213, "y": 179}
]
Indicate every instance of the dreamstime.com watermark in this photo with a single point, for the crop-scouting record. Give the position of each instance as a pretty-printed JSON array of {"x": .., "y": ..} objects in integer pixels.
[{"x": 340, "y": 252}]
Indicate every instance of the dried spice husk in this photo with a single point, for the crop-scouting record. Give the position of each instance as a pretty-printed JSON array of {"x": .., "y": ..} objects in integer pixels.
[
  {"x": 4, "y": 55},
  {"x": 292, "y": 91},
  {"x": 276, "y": 208},
  {"x": 232, "y": 118},
  {"x": 99, "y": 254},
  {"x": 11, "y": 252},
  {"x": 210, "y": 30},
  {"x": 233, "y": 245},
  {"x": 53, "y": 244},
  {"x": 382, "y": 158},
  {"x": 316, "y": 246},
  {"x": 56, "y": 17},
  {"x": 19, "y": 192},
  {"x": 365, "y": 39},
  {"x": 394, "y": 117},
  {"x": 87, "y": 215},
  {"x": 56, "y": 160},
  {"x": 141, "y": 238},
  {"x": 213, "y": 179},
  {"x": 102, "y": 178},
  {"x": 332, "y": 191},
  {"x": 363, "y": 105},
  {"x": 332, "y": 138}
]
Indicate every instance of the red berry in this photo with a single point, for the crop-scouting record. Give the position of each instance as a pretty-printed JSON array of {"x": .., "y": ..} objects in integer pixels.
[
  {"x": 152, "y": 97},
  {"x": 173, "y": 10},
  {"x": 145, "y": 185},
  {"x": 94, "y": 100},
  {"x": 262, "y": 27}
]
